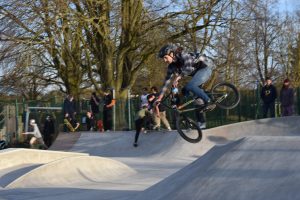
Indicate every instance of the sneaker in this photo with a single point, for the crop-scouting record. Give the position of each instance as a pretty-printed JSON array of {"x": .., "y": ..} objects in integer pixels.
[
  {"x": 203, "y": 125},
  {"x": 209, "y": 105},
  {"x": 135, "y": 144},
  {"x": 199, "y": 102},
  {"x": 156, "y": 128},
  {"x": 199, "y": 124}
]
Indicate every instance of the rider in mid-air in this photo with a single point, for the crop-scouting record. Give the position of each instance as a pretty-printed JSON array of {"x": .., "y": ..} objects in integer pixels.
[{"x": 183, "y": 64}]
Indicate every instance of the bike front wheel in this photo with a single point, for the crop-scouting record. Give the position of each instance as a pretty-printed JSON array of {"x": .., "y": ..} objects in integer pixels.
[
  {"x": 225, "y": 95},
  {"x": 188, "y": 129}
]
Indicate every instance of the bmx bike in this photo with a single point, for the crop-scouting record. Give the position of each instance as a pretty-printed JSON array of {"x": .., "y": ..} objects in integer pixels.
[{"x": 223, "y": 95}]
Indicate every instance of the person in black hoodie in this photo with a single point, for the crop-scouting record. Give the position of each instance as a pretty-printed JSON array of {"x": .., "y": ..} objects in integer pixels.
[
  {"x": 268, "y": 96},
  {"x": 94, "y": 102},
  {"x": 69, "y": 109},
  {"x": 109, "y": 102},
  {"x": 286, "y": 99}
]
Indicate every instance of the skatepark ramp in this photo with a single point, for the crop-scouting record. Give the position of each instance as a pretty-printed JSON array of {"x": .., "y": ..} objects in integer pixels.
[
  {"x": 258, "y": 167},
  {"x": 257, "y": 159},
  {"x": 70, "y": 171}
]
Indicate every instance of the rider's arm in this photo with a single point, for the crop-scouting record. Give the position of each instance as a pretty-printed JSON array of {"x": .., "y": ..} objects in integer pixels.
[
  {"x": 175, "y": 82},
  {"x": 170, "y": 74}
]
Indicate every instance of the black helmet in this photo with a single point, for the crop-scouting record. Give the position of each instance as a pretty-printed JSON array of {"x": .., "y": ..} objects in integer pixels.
[{"x": 166, "y": 50}]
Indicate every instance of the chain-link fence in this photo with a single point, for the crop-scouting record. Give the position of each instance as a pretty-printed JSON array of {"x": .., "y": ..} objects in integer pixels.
[{"x": 13, "y": 114}]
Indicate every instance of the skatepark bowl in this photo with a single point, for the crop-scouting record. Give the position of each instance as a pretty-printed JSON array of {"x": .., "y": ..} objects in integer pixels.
[{"x": 250, "y": 160}]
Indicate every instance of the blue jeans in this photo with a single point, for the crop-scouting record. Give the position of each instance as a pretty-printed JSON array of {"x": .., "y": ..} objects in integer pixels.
[{"x": 199, "y": 78}]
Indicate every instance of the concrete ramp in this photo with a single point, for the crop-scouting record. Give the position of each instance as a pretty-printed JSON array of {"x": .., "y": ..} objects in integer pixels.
[
  {"x": 252, "y": 168},
  {"x": 72, "y": 171},
  {"x": 256, "y": 159},
  {"x": 14, "y": 157}
]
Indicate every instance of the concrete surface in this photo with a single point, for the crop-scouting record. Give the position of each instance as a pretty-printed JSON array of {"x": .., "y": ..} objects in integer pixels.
[{"x": 249, "y": 160}]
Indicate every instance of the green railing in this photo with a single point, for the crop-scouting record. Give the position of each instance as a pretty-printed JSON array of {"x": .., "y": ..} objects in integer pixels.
[{"x": 249, "y": 108}]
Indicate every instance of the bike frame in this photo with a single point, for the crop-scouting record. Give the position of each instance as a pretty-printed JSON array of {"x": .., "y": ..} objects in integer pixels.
[
  {"x": 182, "y": 106},
  {"x": 218, "y": 100}
]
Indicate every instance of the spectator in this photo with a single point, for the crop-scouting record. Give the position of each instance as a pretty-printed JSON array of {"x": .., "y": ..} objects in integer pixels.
[
  {"x": 69, "y": 109},
  {"x": 37, "y": 137},
  {"x": 48, "y": 131},
  {"x": 109, "y": 102},
  {"x": 268, "y": 96},
  {"x": 139, "y": 122},
  {"x": 94, "y": 102},
  {"x": 159, "y": 113},
  {"x": 286, "y": 98},
  {"x": 90, "y": 121},
  {"x": 175, "y": 103},
  {"x": 144, "y": 95}
]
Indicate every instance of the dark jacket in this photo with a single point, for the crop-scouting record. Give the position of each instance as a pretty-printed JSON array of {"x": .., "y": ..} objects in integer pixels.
[
  {"x": 107, "y": 100},
  {"x": 94, "y": 105},
  {"x": 69, "y": 107},
  {"x": 48, "y": 127},
  {"x": 268, "y": 94},
  {"x": 287, "y": 96}
]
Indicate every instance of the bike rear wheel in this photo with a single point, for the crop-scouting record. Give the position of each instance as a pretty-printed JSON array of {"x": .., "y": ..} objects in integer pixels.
[
  {"x": 188, "y": 129},
  {"x": 225, "y": 95}
]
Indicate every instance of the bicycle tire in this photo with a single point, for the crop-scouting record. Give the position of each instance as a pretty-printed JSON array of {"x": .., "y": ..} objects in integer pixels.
[
  {"x": 231, "y": 100},
  {"x": 185, "y": 124}
]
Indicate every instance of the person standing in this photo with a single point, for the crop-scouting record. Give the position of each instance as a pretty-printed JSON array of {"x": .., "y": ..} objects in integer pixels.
[
  {"x": 109, "y": 102},
  {"x": 69, "y": 109},
  {"x": 159, "y": 115},
  {"x": 268, "y": 96},
  {"x": 286, "y": 98},
  {"x": 94, "y": 102},
  {"x": 48, "y": 131}
]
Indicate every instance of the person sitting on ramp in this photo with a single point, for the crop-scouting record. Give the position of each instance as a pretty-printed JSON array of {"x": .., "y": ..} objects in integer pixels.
[{"x": 37, "y": 136}]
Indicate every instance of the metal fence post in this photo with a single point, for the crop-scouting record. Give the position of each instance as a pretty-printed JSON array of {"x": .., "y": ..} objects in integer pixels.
[
  {"x": 114, "y": 110},
  {"x": 257, "y": 100},
  {"x": 298, "y": 100},
  {"x": 17, "y": 123},
  {"x": 129, "y": 109}
]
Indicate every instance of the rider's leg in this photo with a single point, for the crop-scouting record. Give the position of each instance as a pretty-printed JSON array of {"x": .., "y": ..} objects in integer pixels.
[{"x": 199, "y": 78}]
